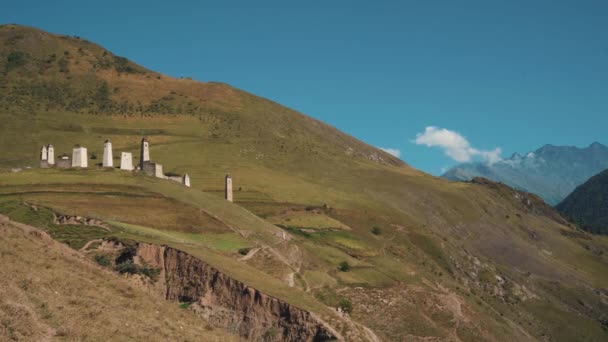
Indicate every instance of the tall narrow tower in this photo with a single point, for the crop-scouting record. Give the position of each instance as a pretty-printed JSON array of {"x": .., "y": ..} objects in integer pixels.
[
  {"x": 80, "y": 157},
  {"x": 107, "y": 154},
  {"x": 50, "y": 150},
  {"x": 144, "y": 155},
  {"x": 228, "y": 189},
  {"x": 44, "y": 153}
]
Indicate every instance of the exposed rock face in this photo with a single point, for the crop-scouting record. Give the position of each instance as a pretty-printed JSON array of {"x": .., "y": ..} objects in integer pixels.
[
  {"x": 227, "y": 302},
  {"x": 78, "y": 220}
]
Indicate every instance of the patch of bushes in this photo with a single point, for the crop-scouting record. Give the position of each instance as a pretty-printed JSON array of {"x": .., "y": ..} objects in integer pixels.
[
  {"x": 129, "y": 267},
  {"x": 15, "y": 59},
  {"x": 272, "y": 334},
  {"x": 344, "y": 266},
  {"x": 346, "y": 305},
  {"x": 376, "y": 231},
  {"x": 102, "y": 260},
  {"x": 122, "y": 64},
  {"x": 64, "y": 65},
  {"x": 244, "y": 251}
]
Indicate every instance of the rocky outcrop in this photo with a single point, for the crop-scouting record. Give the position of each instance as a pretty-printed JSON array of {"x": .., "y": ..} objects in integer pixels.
[
  {"x": 78, "y": 220},
  {"x": 227, "y": 302}
]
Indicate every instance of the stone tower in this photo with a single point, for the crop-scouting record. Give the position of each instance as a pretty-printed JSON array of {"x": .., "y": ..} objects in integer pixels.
[
  {"x": 228, "y": 189},
  {"x": 44, "y": 153},
  {"x": 107, "y": 154},
  {"x": 50, "y": 153},
  {"x": 80, "y": 157},
  {"x": 144, "y": 155},
  {"x": 186, "y": 180},
  {"x": 126, "y": 161}
]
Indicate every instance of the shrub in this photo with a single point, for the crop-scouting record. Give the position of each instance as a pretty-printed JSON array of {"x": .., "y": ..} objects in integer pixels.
[
  {"x": 15, "y": 59},
  {"x": 122, "y": 64},
  {"x": 150, "y": 272},
  {"x": 346, "y": 305},
  {"x": 344, "y": 266},
  {"x": 244, "y": 251},
  {"x": 93, "y": 156},
  {"x": 130, "y": 268},
  {"x": 127, "y": 267},
  {"x": 63, "y": 65},
  {"x": 271, "y": 334},
  {"x": 376, "y": 231},
  {"x": 102, "y": 260}
]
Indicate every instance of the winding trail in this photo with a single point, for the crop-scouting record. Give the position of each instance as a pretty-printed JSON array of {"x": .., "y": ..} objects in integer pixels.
[
  {"x": 86, "y": 245},
  {"x": 250, "y": 254}
]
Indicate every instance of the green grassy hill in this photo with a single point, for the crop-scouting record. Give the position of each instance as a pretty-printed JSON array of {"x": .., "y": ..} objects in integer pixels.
[{"x": 426, "y": 258}]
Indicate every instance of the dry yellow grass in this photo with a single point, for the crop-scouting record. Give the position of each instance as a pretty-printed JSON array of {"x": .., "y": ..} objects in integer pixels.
[{"x": 50, "y": 292}]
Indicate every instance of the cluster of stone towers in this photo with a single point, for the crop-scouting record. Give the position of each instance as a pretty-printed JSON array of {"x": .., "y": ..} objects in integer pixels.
[{"x": 79, "y": 159}]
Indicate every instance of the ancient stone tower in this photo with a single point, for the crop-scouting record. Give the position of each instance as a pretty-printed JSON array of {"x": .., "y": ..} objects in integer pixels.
[
  {"x": 228, "y": 188},
  {"x": 144, "y": 155},
  {"x": 44, "y": 163},
  {"x": 44, "y": 153},
  {"x": 50, "y": 152},
  {"x": 126, "y": 161},
  {"x": 186, "y": 180},
  {"x": 80, "y": 157},
  {"x": 107, "y": 154}
]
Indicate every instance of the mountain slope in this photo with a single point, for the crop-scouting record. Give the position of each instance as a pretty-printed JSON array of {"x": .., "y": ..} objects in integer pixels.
[
  {"x": 50, "y": 292},
  {"x": 427, "y": 258},
  {"x": 588, "y": 204},
  {"x": 552, "y": 172}
]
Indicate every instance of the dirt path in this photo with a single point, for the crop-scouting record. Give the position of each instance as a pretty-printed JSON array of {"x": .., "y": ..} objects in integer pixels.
[
  {"x": 371, "y": 336},
  {"x": 250, "y": 254},
  {"x": 86, "y": 245}
]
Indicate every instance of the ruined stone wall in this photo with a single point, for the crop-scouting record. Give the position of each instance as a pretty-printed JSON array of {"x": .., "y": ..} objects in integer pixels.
[
  {"x": 64, "y": 163},
  {"x": 149, "y": 168}
]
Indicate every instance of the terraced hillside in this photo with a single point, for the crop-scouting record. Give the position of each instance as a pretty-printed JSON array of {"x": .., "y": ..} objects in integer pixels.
[{"x": 321, "y": 220}]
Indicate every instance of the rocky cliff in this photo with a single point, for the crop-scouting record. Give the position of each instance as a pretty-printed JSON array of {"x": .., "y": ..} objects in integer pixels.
[{"x": 227, "y": 302}]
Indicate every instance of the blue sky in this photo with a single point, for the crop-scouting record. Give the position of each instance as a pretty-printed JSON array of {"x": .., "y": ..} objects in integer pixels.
[{"x": 509, "y": 75}]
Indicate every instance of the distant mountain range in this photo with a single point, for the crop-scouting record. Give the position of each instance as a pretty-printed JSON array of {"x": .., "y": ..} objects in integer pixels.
[
  {"x": 588, "y": 204},
  {"x": 551, "y": 172}
]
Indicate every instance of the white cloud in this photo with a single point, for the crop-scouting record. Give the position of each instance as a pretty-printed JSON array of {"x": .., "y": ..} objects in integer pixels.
[
  {"x": 392, "y": 151},
  {"x": 455, "y": 145}
]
